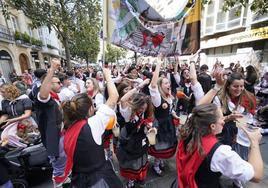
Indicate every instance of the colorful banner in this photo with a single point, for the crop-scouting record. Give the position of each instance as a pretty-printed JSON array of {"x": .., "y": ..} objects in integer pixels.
[{"x": 151, "y": 27}]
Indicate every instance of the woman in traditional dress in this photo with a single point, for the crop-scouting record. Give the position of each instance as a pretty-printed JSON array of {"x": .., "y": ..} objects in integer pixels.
[
  {"x": 235, "y": 102},
  {"x": 137, "y": 110},
  {"x": 165, "y": 148},
  {"x": 202, "y": 159},
  {"x": 83, "y": 140}
]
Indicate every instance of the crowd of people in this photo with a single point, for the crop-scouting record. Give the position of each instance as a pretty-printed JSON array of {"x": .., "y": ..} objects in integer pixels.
[{"x": 86, "y": 117}]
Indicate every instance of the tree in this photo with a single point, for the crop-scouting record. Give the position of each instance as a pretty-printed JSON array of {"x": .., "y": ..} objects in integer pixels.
[
  {"x": 114, "y": 54},
  {"x": 258, "y": 6},
  {"x": 62, "y": 15},
  {"x": 84, "y": 39}
]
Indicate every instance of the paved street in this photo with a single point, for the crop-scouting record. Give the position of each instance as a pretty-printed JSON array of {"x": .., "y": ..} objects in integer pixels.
[{"x": 42, "y": 180}]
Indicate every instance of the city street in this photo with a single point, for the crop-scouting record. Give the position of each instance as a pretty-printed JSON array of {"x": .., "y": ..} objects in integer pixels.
[{"x": 42, "y": 180}]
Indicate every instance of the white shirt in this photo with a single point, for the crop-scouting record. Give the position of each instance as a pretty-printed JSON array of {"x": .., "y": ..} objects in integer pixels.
[
  {"x": 125, "y": 112},
  {"x": 241, "y": 138},
  {"x": 230, "y": 164},
  {"x": 66, "y": 94},
  {"x": 99, "y": 121},
  {"x": 99, "y": 100},
  {"x": 156, "y": 97},
  {"x": 197, "y": 92}
]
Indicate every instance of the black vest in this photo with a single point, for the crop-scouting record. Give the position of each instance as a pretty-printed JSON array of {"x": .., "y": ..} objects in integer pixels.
[
  {"x": 204, "y": 177},
  {"x": 89, "y": 157}
]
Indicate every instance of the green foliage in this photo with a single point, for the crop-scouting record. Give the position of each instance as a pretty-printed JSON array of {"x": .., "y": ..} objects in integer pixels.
[
  {"x": 36, "y": 42},
  {"x": 25, "y": 37},
  {"x": 64, "y": 16},
  {"x": 113, "y": 53},
  {"x": 17, "y": 35},
  {"x": 4, "y": 7},
  {"x": 84, "y": 41}
]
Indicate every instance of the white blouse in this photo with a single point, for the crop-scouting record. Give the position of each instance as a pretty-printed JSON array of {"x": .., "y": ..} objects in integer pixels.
[
  {"x": 99, "y": 121},
  {"x": 230, "y": 164}
]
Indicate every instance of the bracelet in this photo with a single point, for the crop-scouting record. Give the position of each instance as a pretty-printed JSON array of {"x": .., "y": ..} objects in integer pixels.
[{"x": 217, "y": 88}]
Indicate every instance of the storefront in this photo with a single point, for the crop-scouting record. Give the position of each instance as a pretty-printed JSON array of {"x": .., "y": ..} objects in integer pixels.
[{"x": 247, "y": 47}]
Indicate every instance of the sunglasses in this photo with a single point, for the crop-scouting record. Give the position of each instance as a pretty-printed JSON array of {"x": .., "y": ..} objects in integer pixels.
[{"x": 57, "y": 82}]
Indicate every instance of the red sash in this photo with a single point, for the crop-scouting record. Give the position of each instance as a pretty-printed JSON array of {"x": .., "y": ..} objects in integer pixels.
[
  {"x": 70, "y": 139},
  {"x": 188, "y": 164}
]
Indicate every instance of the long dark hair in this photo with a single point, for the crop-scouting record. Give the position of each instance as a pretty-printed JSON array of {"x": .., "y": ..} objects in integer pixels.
[
  {"x": 139, "y": 100},
  {"x": 198, "y": 126},
  {"x": 76, "y": 109},
  {"x": 225, "y": 95}
]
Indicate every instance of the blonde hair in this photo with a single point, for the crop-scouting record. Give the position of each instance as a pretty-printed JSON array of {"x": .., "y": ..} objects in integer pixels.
[
  {"x": 96, "y": 87},
  {"x": 159, "y": 83},
  {"x": 11, "y": 92}
]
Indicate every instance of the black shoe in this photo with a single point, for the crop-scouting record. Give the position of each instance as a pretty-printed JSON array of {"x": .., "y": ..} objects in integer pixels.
[{"x": 140, "y": 183}]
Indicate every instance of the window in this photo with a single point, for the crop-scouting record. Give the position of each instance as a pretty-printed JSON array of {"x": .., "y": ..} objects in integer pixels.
[
  {"x": 211, "y": 7},
  {"x": 15, "y": 25},
  {"x": 209, "y": 18},
  {"x": 259, "y": 18},
  {"x": 235, "y": 15},
  {"x": 221, "y": 18},
  {"x": 30, "y": 31}
]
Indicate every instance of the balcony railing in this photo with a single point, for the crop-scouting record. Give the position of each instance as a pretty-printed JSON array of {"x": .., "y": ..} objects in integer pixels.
[{"x": 6, "y": 34}]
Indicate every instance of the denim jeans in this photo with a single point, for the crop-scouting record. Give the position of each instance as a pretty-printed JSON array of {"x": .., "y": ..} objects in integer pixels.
[
  {"x": 7, "y": 185},
  {"x": 58, "y": 163}
]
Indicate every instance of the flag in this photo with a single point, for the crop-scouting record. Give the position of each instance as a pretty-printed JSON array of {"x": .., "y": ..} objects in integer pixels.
[{"x": 151, "y": 27}]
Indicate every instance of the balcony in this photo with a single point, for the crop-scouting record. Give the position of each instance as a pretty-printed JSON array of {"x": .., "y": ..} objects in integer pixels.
[
  {"x": 6, "y": 35},
  {"x": 50, "y": 50},
  {"x": 24, "y": 40}
]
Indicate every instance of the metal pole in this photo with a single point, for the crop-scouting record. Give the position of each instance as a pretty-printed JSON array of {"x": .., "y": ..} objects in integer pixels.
[{"x": 103, "y": 32}]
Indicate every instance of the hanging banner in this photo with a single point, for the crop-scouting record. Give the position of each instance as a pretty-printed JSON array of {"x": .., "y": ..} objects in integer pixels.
[{"x": 151, "y": 27}]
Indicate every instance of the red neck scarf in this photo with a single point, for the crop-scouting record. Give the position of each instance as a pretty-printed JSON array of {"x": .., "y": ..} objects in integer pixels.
[
  {"x": 54, "y": 96},
  {"x": 188, "y": 164},
  {"x": 70, "y": 139},
  {"x": 245, "y": 102}
]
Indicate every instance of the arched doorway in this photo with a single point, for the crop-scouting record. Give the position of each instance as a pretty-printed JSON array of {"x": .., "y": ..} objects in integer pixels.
[
  {"x": 23, "y": 62},
  {"x": 6, "y": 65}
]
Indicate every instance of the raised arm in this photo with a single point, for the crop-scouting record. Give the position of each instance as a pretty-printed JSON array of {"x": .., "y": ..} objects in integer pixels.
[
  {"x": 176, "y": 73},
  {"x": 46, "y": 84},
  {"x": 126, "y": 97},
  {"x": 220, "y": 80},
  {"x": 155, "y": 77},
  {"x": 112, "y": 91}
]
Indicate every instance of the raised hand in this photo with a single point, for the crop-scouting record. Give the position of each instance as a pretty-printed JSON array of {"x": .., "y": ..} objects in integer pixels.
[
  {"x": 106, "y": 74},
  {"x": 219, "y": 76},
  {"x": 55, "y": 64}
]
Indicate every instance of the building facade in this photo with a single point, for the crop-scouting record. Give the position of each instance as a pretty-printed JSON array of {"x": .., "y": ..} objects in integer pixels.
[
  {"x": 237, "y": 35},
  {"x": 23, "y": 48}
]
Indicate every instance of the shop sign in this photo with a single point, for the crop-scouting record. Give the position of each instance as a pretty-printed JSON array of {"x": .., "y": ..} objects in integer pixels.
[{"x": 242, "y": 37}]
